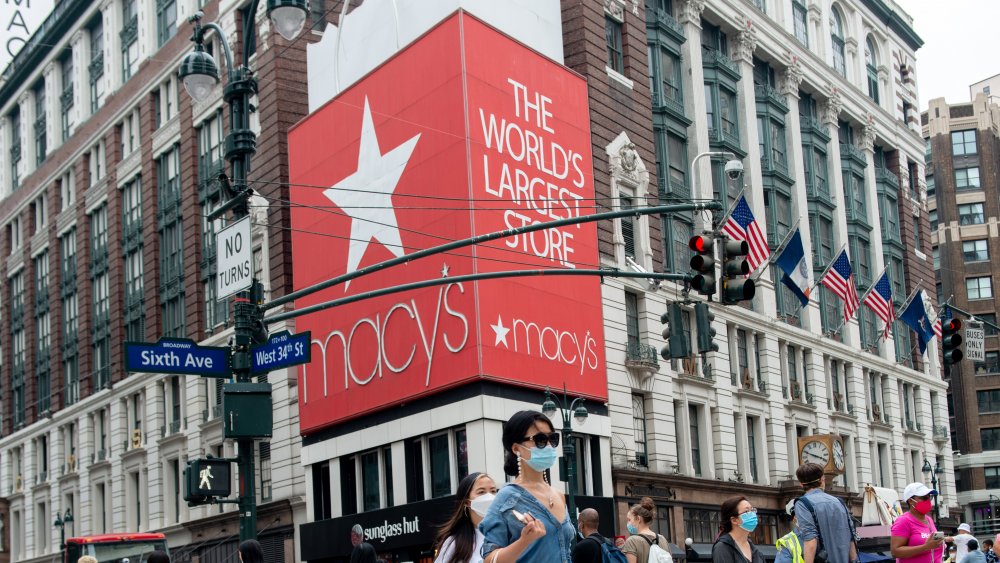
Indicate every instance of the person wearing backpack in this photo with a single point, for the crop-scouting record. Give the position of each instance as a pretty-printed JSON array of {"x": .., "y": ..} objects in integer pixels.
[
  {"x": 594, "y": 548},
  {"x": 644, "y": 545},
  {"x": 738, "y": 521}
]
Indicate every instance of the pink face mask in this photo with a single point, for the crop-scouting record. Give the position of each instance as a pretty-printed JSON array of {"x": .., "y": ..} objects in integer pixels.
[{"x": 923, "y": 506}]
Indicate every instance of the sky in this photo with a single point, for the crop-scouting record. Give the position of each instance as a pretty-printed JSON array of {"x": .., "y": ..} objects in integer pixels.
[{"x": 960, "y": 46}]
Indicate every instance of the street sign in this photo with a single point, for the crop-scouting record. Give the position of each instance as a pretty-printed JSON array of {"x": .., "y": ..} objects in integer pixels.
[
  {"x": 282, "y": 350},
  {"x": 974, "y": 349},
  {"x": 233, "y": 259},
  {"x": 177, "y": 355}
]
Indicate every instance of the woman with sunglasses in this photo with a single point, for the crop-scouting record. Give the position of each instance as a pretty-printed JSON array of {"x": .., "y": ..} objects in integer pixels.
[
  {"x": 914, "y": 537},
  {"x": 460, "y": 540},
  {"x": 739, "y": 520},
  {"x": 528, "y": 520}
]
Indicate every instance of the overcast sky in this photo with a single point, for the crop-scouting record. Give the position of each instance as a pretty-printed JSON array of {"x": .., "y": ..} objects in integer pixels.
[{"x": 960, "y": 46}]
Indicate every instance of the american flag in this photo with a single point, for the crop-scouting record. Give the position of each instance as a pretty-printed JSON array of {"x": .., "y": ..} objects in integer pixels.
[
  {"x": 741, "y": 225},
  {"x": 839, "y": 279},
  {"x": 879, "y": 300}
]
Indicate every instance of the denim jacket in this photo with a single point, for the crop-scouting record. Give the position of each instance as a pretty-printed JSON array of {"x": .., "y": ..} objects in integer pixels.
[{"x": 501, "y": 528}]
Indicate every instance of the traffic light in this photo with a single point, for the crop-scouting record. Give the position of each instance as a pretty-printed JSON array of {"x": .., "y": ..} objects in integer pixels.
[
  {"x": 703, "y": 263},
  {"x": 207, "y": 479},
  {"x": 951, "y": 342},
  {"x": 703, "y": 317},
  {"x": 673, "y": 332},
  {"x": 735, "y": 267}
]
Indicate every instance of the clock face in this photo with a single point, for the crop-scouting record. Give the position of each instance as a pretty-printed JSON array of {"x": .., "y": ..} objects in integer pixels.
[
  {"x": 838, "y": 456},
  {"x": 816, "y": 452}
]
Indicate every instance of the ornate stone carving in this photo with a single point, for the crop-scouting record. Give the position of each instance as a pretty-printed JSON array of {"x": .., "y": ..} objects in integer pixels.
[
  {"x": 832, "y": 107},
  {"x": 792, "y": 77},
  {"x": 904, "y": 177},
  {"x": 815, "y": 12},
  {"x": 691, "y": 11},
  {"x": 867, "y": 140},
  {"x": 747, "y": 40},
  {"x": 628, "y": 158},
  {"x": 615, "y": 9},
  {"x": 258, "y": 210}
]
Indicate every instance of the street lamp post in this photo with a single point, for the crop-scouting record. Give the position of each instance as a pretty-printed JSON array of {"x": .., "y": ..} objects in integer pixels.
[
  {"x": 567, "y": 408},
  {"x": 933, "y": 473},
  {"x": 61, "y": 522},
  {"x": 200, "y": 73}
]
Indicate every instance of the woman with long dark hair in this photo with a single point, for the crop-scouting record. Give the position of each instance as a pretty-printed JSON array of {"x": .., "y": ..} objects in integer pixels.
[
  {"x": 528, "y": 520},
  {"x": 739, "y": 520},
  {"x": 250, "y": 552},
  {"x": 364, "y": 553},
  {"x": 459, "y": 540}
]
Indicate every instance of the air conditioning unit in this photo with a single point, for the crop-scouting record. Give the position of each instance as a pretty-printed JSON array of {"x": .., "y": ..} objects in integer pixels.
[
  {"x": 71, "y": 463},
  {"x": 136, "y": 438},
  {"x": 18, "y": 483}
]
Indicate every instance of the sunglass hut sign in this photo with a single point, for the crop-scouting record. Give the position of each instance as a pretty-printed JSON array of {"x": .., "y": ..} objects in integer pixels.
[{"x": 465, "y": 132}]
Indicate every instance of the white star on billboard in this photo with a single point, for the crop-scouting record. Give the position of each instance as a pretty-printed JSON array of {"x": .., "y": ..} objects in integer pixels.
[{"x": 366, "y": 195}]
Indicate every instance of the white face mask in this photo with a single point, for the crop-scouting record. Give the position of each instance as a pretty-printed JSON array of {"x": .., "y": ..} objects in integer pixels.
[{"x": 482, "y": 503}]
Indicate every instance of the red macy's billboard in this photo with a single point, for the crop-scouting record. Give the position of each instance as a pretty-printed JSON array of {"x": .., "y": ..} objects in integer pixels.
[{"x": 465, "y": 132}]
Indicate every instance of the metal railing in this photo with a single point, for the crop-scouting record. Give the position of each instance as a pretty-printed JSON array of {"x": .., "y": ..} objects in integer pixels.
[{"x": 638, "y": 352}]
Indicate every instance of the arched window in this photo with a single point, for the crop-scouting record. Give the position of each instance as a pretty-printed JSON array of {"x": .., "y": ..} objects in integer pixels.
[
  {"x": 871, "y": 66},
  {"x": 837, "y": 35}
]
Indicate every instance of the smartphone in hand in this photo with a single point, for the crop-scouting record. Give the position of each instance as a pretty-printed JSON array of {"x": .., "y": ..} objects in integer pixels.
[
  {"x": 937, "y": 536},
  {"x": 519, "y": 516}
]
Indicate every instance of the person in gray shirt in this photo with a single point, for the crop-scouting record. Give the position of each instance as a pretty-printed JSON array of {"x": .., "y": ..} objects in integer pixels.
[{"x": 824, "y": 523}]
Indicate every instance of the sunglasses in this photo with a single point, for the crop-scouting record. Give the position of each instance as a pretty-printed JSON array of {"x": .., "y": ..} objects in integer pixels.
[{"x": 542, "y": 439}]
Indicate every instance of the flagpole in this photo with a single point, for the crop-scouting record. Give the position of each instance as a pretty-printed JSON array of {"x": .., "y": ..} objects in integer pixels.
[
  {"x": 828, "y": 266},
  {"x": 872, "y": 286},
  {"x": 736, "y": 201},
  {"x": 772, "y": 259}
]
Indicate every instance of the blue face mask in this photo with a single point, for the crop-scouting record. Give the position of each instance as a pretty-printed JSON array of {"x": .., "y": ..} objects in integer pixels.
[
  {"x": 631, "y": 529},
  {"x": 541, "y": 458},
  {"x": 748, "y": 521}
]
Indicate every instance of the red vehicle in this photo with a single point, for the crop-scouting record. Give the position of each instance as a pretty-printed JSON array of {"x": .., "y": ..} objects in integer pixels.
[{"x": 114, "y": 548}]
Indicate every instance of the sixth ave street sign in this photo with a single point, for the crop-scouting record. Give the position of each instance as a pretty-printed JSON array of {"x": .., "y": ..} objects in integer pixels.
[{"x": 974, "y": 349}]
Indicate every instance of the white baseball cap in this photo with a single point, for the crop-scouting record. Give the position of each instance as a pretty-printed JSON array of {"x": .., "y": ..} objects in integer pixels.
[
  {"x": 917, "y": 490},
  {"x": 965, "y": 527}
]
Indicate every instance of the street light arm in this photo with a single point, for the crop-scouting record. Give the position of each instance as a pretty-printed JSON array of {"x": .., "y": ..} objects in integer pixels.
[{"x": 227, "y": 52}]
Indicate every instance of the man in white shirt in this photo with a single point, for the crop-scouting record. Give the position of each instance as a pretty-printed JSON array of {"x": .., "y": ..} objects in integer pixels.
[{"x": 961, "y": 540}]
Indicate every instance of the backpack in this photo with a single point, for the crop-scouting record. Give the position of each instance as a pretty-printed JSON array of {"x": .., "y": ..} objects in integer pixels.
[
  {"x": 609, "y": 551},
  {"x": 656, "y": 553}
]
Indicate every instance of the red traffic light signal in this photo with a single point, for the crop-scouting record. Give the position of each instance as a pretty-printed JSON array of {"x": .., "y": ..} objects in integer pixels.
[
  {"x": 701, "y": 243},
  {"x": 952, "y": 325},
  {"x": 703, "y": 263},
  {"x": 951, "y": 342}
]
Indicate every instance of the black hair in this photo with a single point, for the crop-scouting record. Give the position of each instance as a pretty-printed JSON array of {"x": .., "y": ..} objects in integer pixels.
[
  {"x": 158, "y": 557},
  {"x": 513, "y": 432},
  {"x": 364, "y": 553},
  {"x": 809, "y": 475},
  {"x": 251, "y": 552},
  {"x": 459, "y": 526},
  {"x": 730, "y": 509},
  {"x": 973, "y": 544}
]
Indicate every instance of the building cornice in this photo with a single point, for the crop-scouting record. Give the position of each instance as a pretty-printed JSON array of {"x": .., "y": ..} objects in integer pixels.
[{"x": 895, "y": 23}]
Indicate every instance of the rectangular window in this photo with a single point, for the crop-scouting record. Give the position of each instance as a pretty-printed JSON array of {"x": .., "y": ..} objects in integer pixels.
[
  {"x": 348, "y": 486},
  {"x": 917, "y": 242},
  {"x": 632, "y": 322},
  {"x": 992, "y": 477},
  {"x": 613, "y": 38},
  {"x": 967, "y": 178},
  {"x": 752, "y": 447},
  {"x": 628, "y": 228},
  {"x": 135, "y": 311},
  {"x": 265, "y": 472},
  {"x": 129, "y": 36},
  {"x": 970, "y": 214},
  {"x": 14, "y": 119},
  {"x": 322, "y": 496},
  {"x": 932, "y": 216},
  {"x": 171, "y": 243},
  {"x": 370, "y": 485},
  {"x": 66, "y": 96},
  {"x": 979, "y": 288},
  {"x": 990, "y": 365},
  {"x": 800, "y": 22},
  {"x": 931, "y": 186},
  {"x": 387, "y": 471},
  {"x": 414, "y": 471},
  {"x": 963, "y": 142},
  {"x": 695, "y": 437},
  {"x": 639, "y": 429},
  {"x": 166, "y": 21},
  {"x": 989, "y": 438},
  {"x": 96, "y": 67},
  {"x": 461, "y": 453},
  {"x": 975, "y": 250},
  {"x": 41, "y": 145},
  {"x": 701, "y": 525},
  {"x": 43, "y": 333},
  {"x": 440, "y": 462},
  {"x": 100, "y": 281},
  {"x": 989, "y": 401},
  {"x": 70, "y": 316}
]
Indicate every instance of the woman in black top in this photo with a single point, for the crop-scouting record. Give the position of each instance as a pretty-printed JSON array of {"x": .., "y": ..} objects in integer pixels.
[{"x": 739, "y": 520}]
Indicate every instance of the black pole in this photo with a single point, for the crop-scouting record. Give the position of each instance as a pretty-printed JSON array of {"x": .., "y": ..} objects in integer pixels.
[
  {"x": 241, "y": 144},
  {"x": 934, "y": 485},
  {"x": 635, "y": 212},
  {"x": 468, "y": 278}
]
